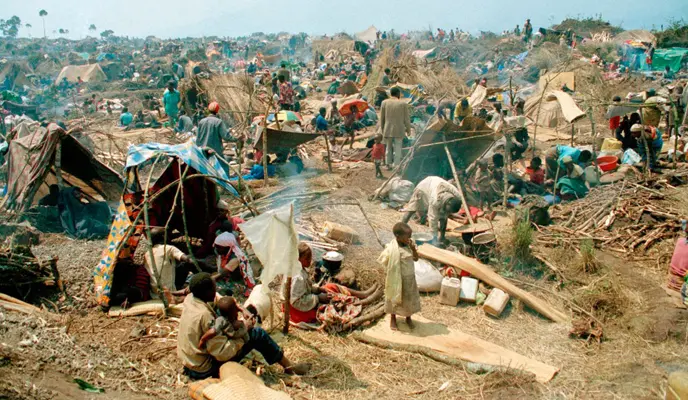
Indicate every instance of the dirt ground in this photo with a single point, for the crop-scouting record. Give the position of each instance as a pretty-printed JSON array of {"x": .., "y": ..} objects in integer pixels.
[
  {"x": 645, "y": 334},
  {"x": 134, "y": 358}
]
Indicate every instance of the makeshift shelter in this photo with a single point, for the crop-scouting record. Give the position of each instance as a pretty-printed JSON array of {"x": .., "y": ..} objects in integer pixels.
[
  {"x": 279, "y": 141},
  {"x": 637, "y": 35},
  {"x": 35, "y": 161},
  {"x": 466, "y": 143},
  {"x": 158, "y": 168},
  {"x": 369, "y": 35},
  {"x": 88, "y": 73},
  {"x": 112, "y": 69},
  {"x": 230, "y": 91},
  {"x": 673, "y": 58},
  {"x": 16, "y": 73},
  {"x": 557, "y": 109}
]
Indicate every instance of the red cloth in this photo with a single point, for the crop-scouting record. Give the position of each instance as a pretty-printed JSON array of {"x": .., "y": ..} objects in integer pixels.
[
  {"x": 297, "y": 316},
  {"x": 475, "y": 211},
  {"x": 378, "y": 151},
  {"x": 536, "y": 176},
  {"x": 679, "y": 261},
  {"x": 614, "y": 122}
]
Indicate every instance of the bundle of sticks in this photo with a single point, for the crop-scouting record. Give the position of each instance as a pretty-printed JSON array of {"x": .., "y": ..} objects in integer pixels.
[
  {"x": 310, "y": 236},
  {"x": 625, "y": 218},
  {"x": 23, "y": 275}
]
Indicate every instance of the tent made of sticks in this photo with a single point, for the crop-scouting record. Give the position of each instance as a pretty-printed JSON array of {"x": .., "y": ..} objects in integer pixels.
[
  {"x": 171, "y": 187},
  {"x": 232, "y": 91},
  {"x": 41, "y": 158},
  {"x": 438, "y": 79}
]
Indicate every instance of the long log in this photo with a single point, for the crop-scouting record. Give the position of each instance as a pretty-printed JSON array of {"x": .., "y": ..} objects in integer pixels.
[{"x": 485, "y": 274}]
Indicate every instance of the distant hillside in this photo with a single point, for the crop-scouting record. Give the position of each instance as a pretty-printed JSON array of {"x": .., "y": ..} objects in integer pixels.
[
  {"x": 675, "y": 36},
  {"x": 587, "y": 26}
]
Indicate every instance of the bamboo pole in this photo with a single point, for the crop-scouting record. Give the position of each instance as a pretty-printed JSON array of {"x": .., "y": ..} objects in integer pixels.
[{"x": 459, "y": 186}]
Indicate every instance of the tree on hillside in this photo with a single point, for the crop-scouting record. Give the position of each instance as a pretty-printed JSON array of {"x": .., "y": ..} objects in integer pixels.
[
  {"x": 43, "y": 14},
  {"x": 28, "y": 26},
  {"x": 92, "y": 27},
  {"x": 10, "y": 28},
  {"x": 106, "y": 34}
]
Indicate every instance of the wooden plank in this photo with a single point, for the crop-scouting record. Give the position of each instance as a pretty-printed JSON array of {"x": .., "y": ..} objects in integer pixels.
[
  {"x": 455, "y": 344},
  {"x": 14, "y": 300},
  {"x": 485, "y": 274}
]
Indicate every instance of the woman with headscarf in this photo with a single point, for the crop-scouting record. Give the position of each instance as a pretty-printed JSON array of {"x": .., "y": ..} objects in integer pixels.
[{"x": 230, "y": 260}]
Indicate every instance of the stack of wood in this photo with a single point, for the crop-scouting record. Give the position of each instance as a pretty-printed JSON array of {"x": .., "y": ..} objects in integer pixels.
[
  {"x": 23, "y": 275},
  {"x": 625, "y": 218},
  {"x": 315, "y": 239}
]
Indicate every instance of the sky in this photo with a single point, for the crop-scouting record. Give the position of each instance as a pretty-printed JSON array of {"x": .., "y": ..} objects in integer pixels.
[{"x": 182, "y": 18}]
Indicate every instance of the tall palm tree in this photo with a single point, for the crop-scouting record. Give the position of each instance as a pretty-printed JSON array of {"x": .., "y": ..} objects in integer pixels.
[
  {"x": 28, "y": 26},
  {"x": 43, "y": 14},
  {"x": 92, "y": 28}
]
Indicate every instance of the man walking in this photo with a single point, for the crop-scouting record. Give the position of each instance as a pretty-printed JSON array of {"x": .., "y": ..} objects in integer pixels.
[
  {"x": 395, "y": 124},
  {"x": 211, "y": 131}
]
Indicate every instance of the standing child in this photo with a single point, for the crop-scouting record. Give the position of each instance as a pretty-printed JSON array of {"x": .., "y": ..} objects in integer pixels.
[
  {"x": 401, "y": 292},
  {"x": 482, "y": 183},
  {"x": 614, "y": 122},
  {"x": 378, "y": 154}
]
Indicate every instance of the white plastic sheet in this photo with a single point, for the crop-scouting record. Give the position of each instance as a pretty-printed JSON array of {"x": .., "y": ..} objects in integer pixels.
[{"x": 275, "y": 242}]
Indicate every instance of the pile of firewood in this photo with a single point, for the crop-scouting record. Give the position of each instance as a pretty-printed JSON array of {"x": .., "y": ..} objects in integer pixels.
[
  {"x": 625, "y": 218},
  {"x": 22, "y": 275}
]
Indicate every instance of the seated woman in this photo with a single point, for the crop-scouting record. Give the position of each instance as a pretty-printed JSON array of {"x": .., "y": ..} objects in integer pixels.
[
  {"x": 306, "y": 297},
  {"x": 232, "y": 265}
]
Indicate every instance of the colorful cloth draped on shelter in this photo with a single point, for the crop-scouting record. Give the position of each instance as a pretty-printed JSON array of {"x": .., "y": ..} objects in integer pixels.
[
  {"x": 102, "y": 275},
  {"x": 188, "y": 153}
]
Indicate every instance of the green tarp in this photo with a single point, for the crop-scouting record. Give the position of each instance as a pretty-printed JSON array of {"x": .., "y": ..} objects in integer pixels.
[{"x": 668, "y": 57}]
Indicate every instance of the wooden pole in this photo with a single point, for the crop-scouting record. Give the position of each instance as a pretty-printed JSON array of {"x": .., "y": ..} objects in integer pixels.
[
  {"x": 573, "y": 131},
  {"x": 507, "y": 161},
  {"x": 594, "y": 145},
  {"x": 537, "y": 116},
  {"x": 329, "y": 155},
  {"x": 647, "y": 148},
  {"x": 58, "y": 164},
  {"x": 287, "y": 306},
  {"x": 459, "y": 186},
  {"x": 265, "y": 147}
]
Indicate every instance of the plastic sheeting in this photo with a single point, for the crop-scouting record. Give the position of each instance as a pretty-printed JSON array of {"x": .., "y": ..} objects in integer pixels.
[{"x": 275, "y": 242}]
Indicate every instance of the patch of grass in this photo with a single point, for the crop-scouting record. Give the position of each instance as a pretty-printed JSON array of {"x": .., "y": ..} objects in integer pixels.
[
  {"x": 588, "y": 263},
  {"x": 521, "y": 239}
]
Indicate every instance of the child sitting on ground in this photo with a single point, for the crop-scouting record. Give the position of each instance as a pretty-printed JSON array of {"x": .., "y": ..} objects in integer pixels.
[
  {"x": 227, "y": 323},
  {"x": 535, "y": 172},
  {"x": 378, "y": 155},
  {"x": 401, "y": 291}
]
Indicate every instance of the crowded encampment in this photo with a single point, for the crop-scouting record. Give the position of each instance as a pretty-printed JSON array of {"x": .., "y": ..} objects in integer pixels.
[{"x": 383, "y": 212}]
